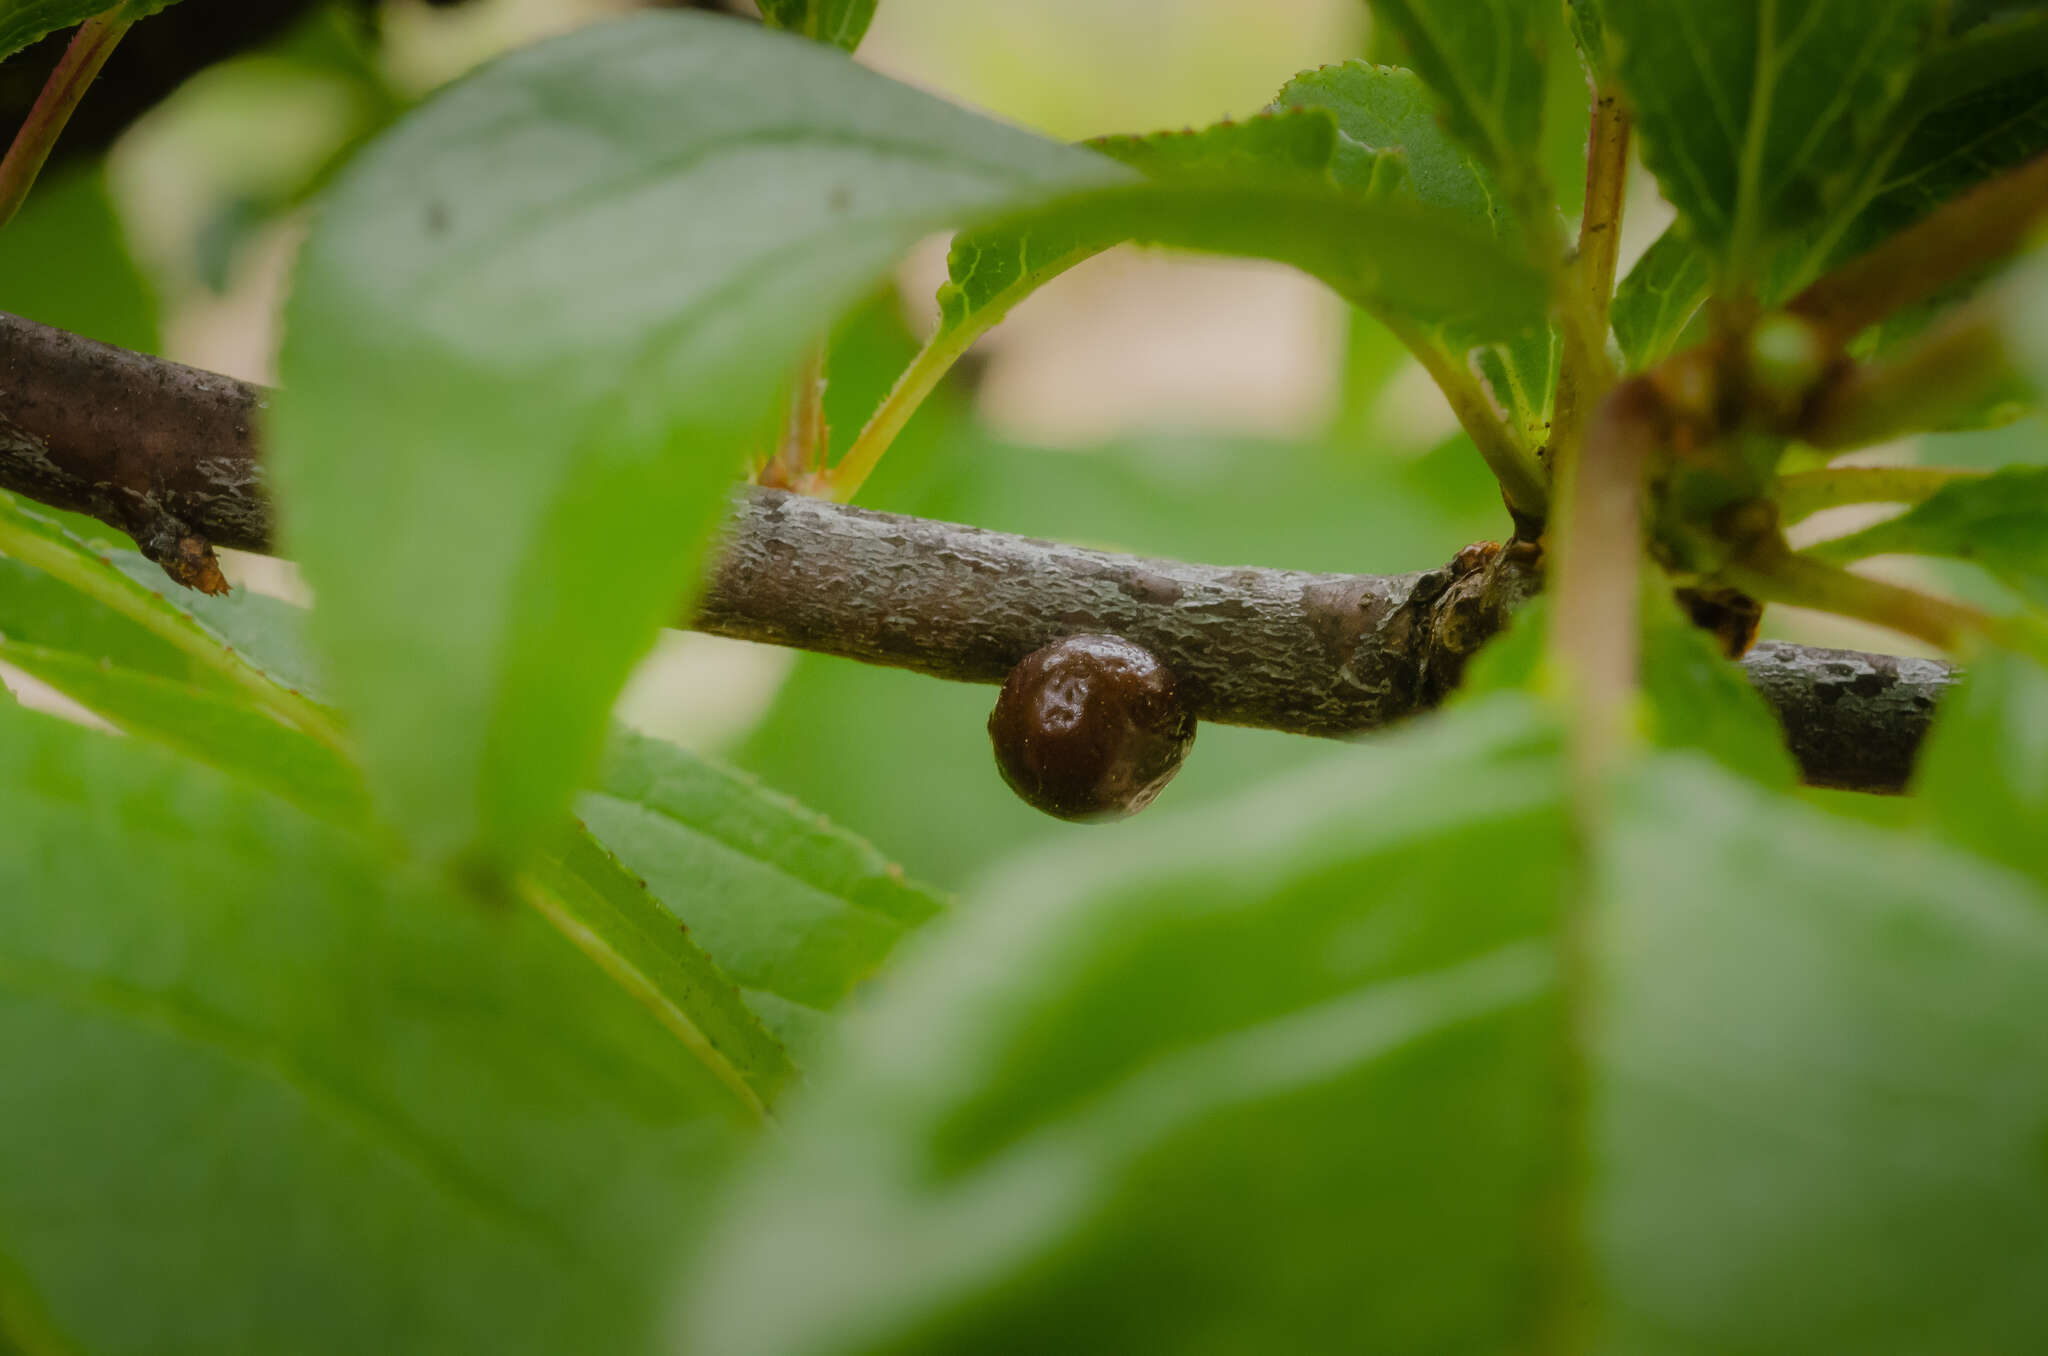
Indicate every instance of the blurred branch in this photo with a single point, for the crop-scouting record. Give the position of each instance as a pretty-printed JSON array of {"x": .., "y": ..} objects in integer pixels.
[{"x": 168, "y": 454}]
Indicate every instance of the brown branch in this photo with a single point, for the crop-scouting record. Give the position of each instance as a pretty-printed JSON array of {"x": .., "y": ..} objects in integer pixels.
[{"x": 156, "y": 449}]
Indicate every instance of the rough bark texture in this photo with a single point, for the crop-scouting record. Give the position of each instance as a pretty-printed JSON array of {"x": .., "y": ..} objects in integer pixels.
[
  {"x": 168, "y": 454},
  {"x": 1853, "y": 720}
]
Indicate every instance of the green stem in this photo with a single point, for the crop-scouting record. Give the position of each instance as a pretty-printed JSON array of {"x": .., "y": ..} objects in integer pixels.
[
  {"x": 801, "y": 452},
  {"x": 90, "y": 47},
  {"x": 1808, "y": 492},
  {"x": 1799, "y": 581},
  {"x": 845, "y": 477},
  {"x": 1586, "y": 285},
  {"x": 1519, "y": 473},
  {"x": 1595, "y": 579},
  {"x": 99, "y": 583}
]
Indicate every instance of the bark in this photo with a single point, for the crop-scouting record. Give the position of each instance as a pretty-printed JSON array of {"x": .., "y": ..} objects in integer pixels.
[{"x": 168, "y": 454}]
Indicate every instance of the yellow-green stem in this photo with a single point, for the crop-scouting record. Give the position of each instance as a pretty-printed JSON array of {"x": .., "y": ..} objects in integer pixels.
[
  {"x": 1521, "y": 479},
  {"x": 1586, "y": 285},
  {"x": 90, "y": 47},
  {"x": 1808, "y": 492},
  {"x": 844, "y": 479},
  {"x": 1799, "y": 581}
]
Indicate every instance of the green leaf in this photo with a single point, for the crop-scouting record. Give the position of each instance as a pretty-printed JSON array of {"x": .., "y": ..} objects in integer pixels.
[
  {"x": 1589, "y": 31},
  {"x": 1486, "y": 60},
  {"x": 1659, "y": 298},
  {"x": 280, "y": 1097},
  {"x": 1977, "y": 105},
  {"x": 1384, "y": 113},
  {"x": 1983, "y": 773},
  {"x": 839, "y": 22},
  {"x": 993, "y": 268},
  {"x": 36, "y": 609},
  {"x": 126, "y": 586},
  {"x": 1261, "y": 187},
  {"x": 1318, "y": 988},
  {"x": 1281, "y": 145},
  {"x": 1751, "y": 110},
  {"x": 798, "y": 911},
  {"x": 575, "y": 283},
  {"x": 1999, "y": 522},
  {"x": 1383, "y": 254},
  {"x": 606, "y": 911},
  {"x": 1818, "y": 1101},
  {"x": 1697, "y": 699},
  {"x": 67, "y": 264},
  {"x": 1691, "y": 697},
  {"x": 210, "y": 724},
  {"x": 25, "y": 21}
]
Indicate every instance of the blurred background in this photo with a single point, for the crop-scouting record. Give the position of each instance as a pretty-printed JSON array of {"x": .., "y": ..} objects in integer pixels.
[{"x": 1208, "y": 409}]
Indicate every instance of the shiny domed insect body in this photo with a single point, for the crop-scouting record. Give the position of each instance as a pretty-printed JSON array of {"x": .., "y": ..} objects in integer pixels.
[{"x": 1091, "y": 727}]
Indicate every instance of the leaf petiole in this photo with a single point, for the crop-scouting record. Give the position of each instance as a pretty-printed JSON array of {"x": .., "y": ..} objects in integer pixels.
[
  {"x": 90, "y": 47},
  {"x": 1809, "y": 492}
]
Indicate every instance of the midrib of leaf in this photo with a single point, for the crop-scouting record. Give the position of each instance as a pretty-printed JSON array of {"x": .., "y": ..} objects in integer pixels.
[
  {"x": 543, "y": 890},
  {"x": 1749, "y": 175}
]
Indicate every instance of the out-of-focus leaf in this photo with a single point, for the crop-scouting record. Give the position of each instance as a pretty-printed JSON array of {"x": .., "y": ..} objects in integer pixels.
[
  {"x": 208, "y": 723},
  {"x": 796, "y": 909},
  {"x": 1658, "y": 298},
  {"x": 576, "y": 282},
  {"x": 25, "y": 21},
  {"x": 1322, "y": 988},
  {"x": 1818, "y": 1103},
  {"x": 1485, "y": 60},
  {"x": 1983, "y": 773},
  {"x": 1697, "y": 699},
  {"x": 1691, "y": 698},
  {"x": 278, "y": 1096},
  {"x": 839, "y": 22},
  {"x": 67, "y": 264},
  {"x": 1999, "y": 521},
  {"x": 1749, "y": 109}
]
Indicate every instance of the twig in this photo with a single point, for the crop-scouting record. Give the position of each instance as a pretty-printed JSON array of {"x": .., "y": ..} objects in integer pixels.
[
  {"x": 1587, "y": 287},
  {"x": 1805, "y": 493},
  {"x": 129, "y": 438},
  {"x": 90, "y": 47}
]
